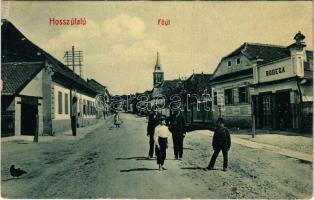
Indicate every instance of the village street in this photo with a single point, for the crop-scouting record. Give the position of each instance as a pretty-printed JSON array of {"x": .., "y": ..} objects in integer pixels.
[{"x": 111, "y": 163}]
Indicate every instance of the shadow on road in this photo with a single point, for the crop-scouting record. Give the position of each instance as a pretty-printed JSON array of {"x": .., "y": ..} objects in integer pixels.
[
  {"x": 9, "y": 179},
  {"x": 138, "y": 169},
  {"x": 136, "y": 158},
  {"x": 196, "y": 168},
  {"x": 187, "y": 148}
]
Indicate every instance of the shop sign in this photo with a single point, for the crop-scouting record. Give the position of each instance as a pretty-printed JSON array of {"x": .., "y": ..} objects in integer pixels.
[{"x": 275, "y": 71}]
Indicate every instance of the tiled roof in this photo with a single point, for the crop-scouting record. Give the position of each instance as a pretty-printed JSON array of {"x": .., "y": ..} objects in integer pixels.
[
  {"x": 169, "y": 86},
  {"x": 197, "y": 83},
  {"x": 16, "y": 76},
  {"x": 237, "y": 74},
  {"x": 17, "y": 48},
  {"x": 264, "y": 52}
]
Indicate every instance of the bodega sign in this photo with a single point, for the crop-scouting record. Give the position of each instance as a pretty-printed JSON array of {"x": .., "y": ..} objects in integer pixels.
[{"x": 275, "y": 71}]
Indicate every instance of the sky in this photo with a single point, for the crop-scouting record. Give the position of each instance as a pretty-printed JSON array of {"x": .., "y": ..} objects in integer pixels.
[{"x": 121, "y": 39}]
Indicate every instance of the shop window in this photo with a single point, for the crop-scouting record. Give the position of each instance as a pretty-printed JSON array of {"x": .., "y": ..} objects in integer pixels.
[
  {"x": 229, "y": 63},
  {"x": 60, "y": 102},
  {"x": 66, "y": 103},
  {"x": 243, "y": 95},
  {"x": 215, "y": 98},
  {"x": 238, "y": 61},
  {"x": 228, "y": 97}
]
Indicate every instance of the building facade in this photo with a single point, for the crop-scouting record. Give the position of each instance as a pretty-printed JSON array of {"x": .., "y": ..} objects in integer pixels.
[
  {"x": 264, "y": 81},
  {"x": 282, "y": 91},
  {"x": 39, "y": 92}
]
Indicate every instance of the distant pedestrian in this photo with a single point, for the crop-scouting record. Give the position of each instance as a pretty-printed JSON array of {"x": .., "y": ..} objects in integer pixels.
[
  {"x": 161, "y": 139},
  {"x": 177, "y": 127},
  {"x": 221, "y": 142},
  {"x": 117, "y": 120},
  {"x": 151, "y": 125}
]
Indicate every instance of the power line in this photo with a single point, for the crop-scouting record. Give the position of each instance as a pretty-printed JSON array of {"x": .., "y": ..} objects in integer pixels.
[{"x": 73, "y": 59}]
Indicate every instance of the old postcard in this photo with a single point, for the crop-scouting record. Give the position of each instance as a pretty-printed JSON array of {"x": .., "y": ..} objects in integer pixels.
[{"x": 156, "y": 100}]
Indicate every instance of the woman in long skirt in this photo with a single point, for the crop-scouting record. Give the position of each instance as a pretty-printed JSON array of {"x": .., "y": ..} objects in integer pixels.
[{"x": 161, "y": 140}]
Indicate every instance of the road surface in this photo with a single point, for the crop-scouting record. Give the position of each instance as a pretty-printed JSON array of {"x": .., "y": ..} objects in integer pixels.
[{"x": 111, "y": 163}]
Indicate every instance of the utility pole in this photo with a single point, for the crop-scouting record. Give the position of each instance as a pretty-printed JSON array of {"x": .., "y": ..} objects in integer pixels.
[{"x": 74, "y": 58}]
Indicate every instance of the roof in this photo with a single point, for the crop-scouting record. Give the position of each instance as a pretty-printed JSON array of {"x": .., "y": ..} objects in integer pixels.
[
  {"x": 242, "y": 73},
  {"x": 169, "y": 86},
  {"x": 96, "y": 85},
  {"x": 16, "y": 76},
  {"x": 264, "y": 52},
  {"x": 17, "y": 48},
  {"x": 197, "y": 82}
]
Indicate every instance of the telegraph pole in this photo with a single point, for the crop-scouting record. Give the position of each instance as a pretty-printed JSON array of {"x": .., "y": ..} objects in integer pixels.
[{"x": 74, "y": 58}]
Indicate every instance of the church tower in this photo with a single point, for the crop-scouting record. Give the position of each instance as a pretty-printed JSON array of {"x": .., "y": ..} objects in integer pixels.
[{"x": 158, "y": 73}]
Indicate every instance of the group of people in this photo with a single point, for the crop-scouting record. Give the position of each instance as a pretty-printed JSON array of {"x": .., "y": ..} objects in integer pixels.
[{"x": 160, "y": 128}]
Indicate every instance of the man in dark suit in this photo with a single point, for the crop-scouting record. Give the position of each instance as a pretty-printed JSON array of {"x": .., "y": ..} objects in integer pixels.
[
  {"x": 152, "y": 123},
  {"x": 221, "y": 142},
  {"x": 177, "y": 127}
]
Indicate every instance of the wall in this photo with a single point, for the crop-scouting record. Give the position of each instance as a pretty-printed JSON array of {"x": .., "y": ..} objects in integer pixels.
[
  {"x": 34, "y": 87},
  {"x": 275, "y": 71},
  {"x": 62, "y": 122},
  {"x": 236, "y": 114},
  {"x": 58, "y": 88},
  {"x": 223, "y": 67}
]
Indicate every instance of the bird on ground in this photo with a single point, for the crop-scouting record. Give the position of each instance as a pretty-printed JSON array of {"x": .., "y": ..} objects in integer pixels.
[{"x": 16, "y": 172}]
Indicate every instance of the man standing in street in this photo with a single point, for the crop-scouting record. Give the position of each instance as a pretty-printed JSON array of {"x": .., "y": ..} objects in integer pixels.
[
  {"x": 74, "y": 116},
  {"x": 152, "y": 123},
  {"x": 221, "y": 142},
  {"x": 177, "y": 127}
]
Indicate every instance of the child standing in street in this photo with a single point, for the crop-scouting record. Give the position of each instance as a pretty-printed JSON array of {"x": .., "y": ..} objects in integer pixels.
[
  {"x": 117, "y": 120},
  {"x": 161, "y": 140}
]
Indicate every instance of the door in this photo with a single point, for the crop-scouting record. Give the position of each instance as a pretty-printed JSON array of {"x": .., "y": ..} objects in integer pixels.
[
  {"x": 284, "y": 120},
  {"x": 28, "y": 119},
  {"x": 266, "y": 111}
]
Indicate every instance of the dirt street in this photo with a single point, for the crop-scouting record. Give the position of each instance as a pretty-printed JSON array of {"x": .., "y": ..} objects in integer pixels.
[{"x": 111, "y": 163}]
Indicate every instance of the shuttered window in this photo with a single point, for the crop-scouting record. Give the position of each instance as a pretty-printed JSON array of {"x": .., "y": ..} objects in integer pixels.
[
  {"x": 228, "y": 97},
  {"x": 243, "y": 95},
  {"x": 66, "y": 103},
  {"x": 60, "y": 102}
]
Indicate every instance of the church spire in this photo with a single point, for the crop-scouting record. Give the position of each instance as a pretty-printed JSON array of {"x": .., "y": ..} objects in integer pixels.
[
  {"x": 158, "y": 74},
  {"x": 158, "y": 65}
]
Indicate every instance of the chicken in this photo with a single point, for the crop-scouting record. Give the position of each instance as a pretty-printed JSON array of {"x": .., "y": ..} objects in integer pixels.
[{"x": 16, "y": 172}]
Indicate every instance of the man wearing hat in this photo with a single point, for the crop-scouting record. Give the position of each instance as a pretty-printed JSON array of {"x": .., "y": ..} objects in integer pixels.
[
  {"x": 221, "y": 142},
  {"x": 177, "y": 127},
  {"x": 153, "y": 121}
]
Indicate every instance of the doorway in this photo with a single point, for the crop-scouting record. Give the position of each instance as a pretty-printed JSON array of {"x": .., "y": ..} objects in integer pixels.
[
  {"x": 284, "y": 120},
  {"x": 28, "y": 118},
  {"x": 266, "y": 111}
]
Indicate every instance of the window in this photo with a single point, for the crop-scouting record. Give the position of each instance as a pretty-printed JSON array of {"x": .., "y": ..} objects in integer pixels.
[
  {"x": 243, "y": 95},
  {"x": 84, "y": 107},
  {"x": 238, "y": 61},
  {"x": 60, "y": 102},
  {"x": 88, "y": 107},
  {"x": 215, "y": 98},
  {"x": 66, "y": 103},
  {"x": 229, "y": 63},
  {"x": 228, "y": 97}
]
